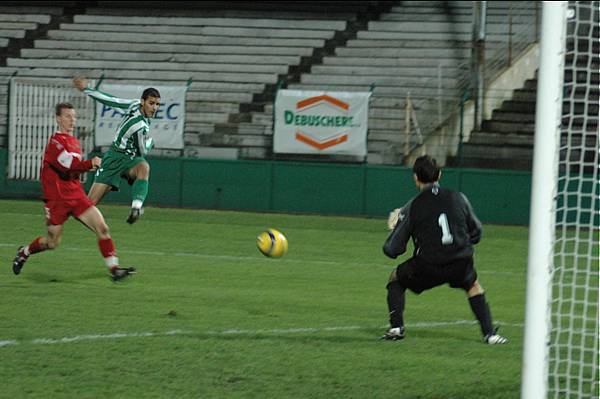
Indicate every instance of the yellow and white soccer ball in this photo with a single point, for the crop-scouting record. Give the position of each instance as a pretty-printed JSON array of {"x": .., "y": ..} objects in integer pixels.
[{"x": 272, "y": 243}]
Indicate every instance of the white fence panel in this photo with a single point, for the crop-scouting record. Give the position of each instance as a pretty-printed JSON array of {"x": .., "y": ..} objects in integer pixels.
[{"x": 32, "y": 122}]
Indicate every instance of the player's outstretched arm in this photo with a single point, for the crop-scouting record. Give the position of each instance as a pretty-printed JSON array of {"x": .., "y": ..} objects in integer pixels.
[{"x": 109, "y": 100}]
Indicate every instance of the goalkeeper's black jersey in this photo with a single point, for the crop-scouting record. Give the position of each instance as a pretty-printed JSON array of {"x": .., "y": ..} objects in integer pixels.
[{"x": 441, "y": 223}]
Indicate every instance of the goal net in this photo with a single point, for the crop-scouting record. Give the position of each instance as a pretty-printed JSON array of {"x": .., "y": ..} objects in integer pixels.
[
  {"x": 573, "y": 352},
  {"x": 561, "y": 329}
]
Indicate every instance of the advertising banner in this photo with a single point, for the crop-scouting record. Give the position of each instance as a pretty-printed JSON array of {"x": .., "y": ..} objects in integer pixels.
[
  {"x": 166, "y": 128},
  {"x": 314, "y": 122}
]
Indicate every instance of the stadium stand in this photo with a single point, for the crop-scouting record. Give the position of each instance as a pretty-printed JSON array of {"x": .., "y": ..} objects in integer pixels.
[
  {"x": 231, "y": 56},
  {"x": 420, "y": 49},
  {"x": 237, "y": 56},
  {"x": 505, "y": 141}
]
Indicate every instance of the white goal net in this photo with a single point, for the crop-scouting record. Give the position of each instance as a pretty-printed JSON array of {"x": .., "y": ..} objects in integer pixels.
[
  {"x": 560, "y": 357},
  {"x": 573, "y": 352}
]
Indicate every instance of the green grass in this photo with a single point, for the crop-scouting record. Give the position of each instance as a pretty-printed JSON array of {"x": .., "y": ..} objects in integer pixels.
[{"x": 208, "y": 316}]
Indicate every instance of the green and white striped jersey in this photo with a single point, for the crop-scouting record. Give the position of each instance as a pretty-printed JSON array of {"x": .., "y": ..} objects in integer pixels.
[{"x": 134, "y": 127}]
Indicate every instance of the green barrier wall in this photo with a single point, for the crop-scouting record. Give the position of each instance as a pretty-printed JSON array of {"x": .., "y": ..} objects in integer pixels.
[{"x": 334, "y": 189}]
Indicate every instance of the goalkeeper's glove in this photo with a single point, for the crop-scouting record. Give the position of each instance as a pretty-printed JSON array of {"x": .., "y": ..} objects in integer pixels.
[{"x": 394, "y": 217}]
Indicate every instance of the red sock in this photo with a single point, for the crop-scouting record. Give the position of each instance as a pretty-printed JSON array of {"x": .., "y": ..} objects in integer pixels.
[
  {"x": 109, "y": 253},
  {"x": 34, "y": 247}
]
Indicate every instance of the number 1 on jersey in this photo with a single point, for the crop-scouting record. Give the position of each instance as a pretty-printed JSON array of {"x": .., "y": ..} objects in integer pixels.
[{"x": 447, "y": 238}]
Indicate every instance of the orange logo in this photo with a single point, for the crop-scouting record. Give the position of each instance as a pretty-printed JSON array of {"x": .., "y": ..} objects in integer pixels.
[{"x": 309, "y": 113}]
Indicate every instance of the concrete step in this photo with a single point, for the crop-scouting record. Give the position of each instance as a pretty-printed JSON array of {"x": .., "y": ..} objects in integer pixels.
[
  {"x": 519, "y": 106},
  {"x": 228, "y": 12},
  {"x": 574, "y": 140},
  {"x": 248, "y": 128},
  {"x": 500, "y": 139},
  {"x": 378, "y": 37},
  {"x": 235, "y": 140},
  {"x": 215, "y": 21},
  {"x": 239, "y": 77},
  {"x": 221, "y": 96},
  {"x": 211, "y": 107},
  {"x": 208, "y": 31},
  {"x": 525, "y": 95},
  {"x": 158, "y": 57},
  {"x": 490, "y": 162},
  {"x": 399, "y": 81},
  {"x": 19, "y": 25},
  {"x": 409, "y": 50},
  {"x": 453, "y": 62},
  {"x": 500, "y": 152},
  {"x": 500, "y": 115},
  {"x": 387, "y": 71},
  {"x": 196, "y": 128},
  {"x": 138, "y": 66},
  {"x": 154, "y": 47},
  {"x": 396, "y": 29},
  {"x": 27, "y": 9},
  {"x": 212, "y": 117},
  {"x": 134, "y": 37},
  {"x": 508, "y": 127},
  {"x": 12, "y": 34},
  {"x": 234, "y": 87},
  {"x": 410, "y": 42},
  {"x": 415, "y": 91},
  {"x": 32, "y": 18},
  {"x": 461, "y": 18},
  {"x": 262, "y": 118}
]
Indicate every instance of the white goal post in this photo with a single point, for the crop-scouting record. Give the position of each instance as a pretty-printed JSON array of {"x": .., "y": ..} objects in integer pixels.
[
  {"x": 31, "y": 122},
  {"x": 560, "y": 356}
]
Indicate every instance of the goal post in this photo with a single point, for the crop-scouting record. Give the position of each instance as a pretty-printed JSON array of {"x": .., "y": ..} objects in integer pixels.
[{"x": 560, "y": 356}]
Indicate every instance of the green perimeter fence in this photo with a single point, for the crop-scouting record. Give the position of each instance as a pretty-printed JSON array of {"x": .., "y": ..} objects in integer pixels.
[{"x": 498, "y": 196}]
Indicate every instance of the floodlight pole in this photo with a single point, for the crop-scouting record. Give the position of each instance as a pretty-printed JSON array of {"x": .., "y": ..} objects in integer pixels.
[{"x": 543, "y": 191}]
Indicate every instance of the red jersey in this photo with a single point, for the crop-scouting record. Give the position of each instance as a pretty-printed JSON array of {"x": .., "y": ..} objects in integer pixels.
[{"x": 61, "y": 168}]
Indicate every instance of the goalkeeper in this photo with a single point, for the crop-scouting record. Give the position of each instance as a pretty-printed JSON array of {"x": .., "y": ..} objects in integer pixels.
[
  {"x": 444, "y": 229},
  {"x": 125, "y": 158}
]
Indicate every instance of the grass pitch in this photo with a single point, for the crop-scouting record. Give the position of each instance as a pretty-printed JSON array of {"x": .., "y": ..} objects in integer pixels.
[{"x": 208, "y": 316}]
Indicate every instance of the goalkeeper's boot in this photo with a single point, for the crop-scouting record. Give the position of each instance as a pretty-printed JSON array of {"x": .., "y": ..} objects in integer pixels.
[
  {"x": 19, "y": 261},
  {"x": 494, "y": 338},
  {"x": 134, "y": 215},
  {"x": 118, "y": 273},
  {"x": 394, "y": 334}
]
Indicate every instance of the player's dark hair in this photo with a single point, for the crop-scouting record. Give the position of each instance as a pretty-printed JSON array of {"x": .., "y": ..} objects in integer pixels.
[
  {"x": 426, "y": 169},
  {"x": 150, "y": 92},
  {"x": 61, "y": 106}
]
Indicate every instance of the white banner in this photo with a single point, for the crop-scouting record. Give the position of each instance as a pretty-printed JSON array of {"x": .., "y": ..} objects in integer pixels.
[
  {"x": 315, "y": 122},
  {"x": 167, "y": 125}
]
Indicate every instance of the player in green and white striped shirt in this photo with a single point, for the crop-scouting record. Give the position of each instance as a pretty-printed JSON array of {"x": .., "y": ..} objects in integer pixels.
[{"x": 125, "y": 158}]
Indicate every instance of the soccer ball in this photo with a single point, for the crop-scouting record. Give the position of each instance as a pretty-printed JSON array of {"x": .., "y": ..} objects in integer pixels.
[{"x": 272, "y": 243}]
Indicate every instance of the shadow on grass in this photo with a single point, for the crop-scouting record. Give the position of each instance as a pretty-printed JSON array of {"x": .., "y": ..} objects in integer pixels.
[
  {"x": 98, "y": 277},
  {"x": 372, "y": 336}
]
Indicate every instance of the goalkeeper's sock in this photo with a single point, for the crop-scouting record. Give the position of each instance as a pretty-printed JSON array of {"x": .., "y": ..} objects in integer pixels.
[
  {"x": 395, "y": 300},
  {"x": 482, "y": 312},
  {"x": 139, "y": 193},
  {"x": 109, "y": 253}
]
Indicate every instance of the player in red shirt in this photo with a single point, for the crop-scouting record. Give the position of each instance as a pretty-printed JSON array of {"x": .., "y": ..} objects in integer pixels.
[{"x": 64, "y": 196}]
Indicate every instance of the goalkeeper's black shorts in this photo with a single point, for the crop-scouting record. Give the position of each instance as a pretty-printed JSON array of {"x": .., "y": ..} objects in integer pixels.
[{"x": 418, "y": 275}]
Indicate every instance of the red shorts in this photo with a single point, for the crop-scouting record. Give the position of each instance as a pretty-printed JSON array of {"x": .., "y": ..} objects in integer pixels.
[{"x": 57, "y": 212}]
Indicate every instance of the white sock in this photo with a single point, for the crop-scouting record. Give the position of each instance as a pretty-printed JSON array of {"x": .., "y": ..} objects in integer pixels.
[
  {"x": 111, "y": 261},
  {"x": 137, "y": 204}
]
